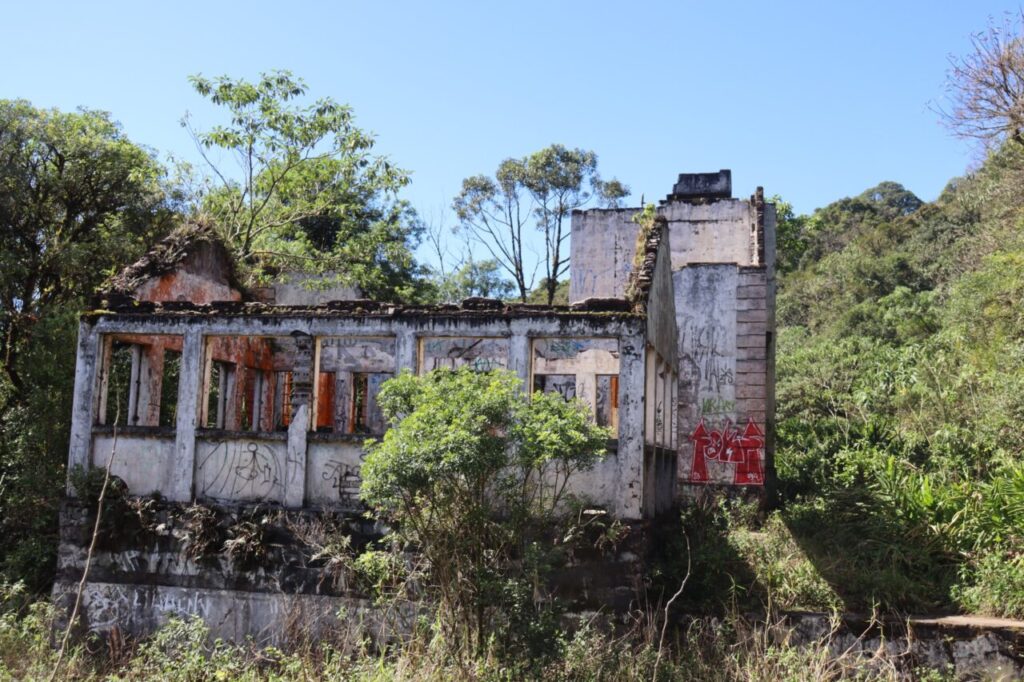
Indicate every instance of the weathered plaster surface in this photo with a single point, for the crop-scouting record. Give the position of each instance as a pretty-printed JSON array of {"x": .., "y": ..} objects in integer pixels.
[
  {"x": 722, "y": 259},
  {"x": 239, "y": 466},
  {"x": 601, "y": 252}
]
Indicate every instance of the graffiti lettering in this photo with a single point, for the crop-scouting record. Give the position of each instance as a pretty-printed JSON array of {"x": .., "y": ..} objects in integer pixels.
[
  {"x": 481, "y": 354},
  {"x": 565, "y": 348},
  {"x": 486, "y": 364},
  {"x": 702, "y": 345},
  {"x": 717, "y": 406},
  {"x": 728, "y": 446}
]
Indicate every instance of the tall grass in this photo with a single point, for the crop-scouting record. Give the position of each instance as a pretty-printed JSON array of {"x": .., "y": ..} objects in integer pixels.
[{"x": 729, "y": 648}]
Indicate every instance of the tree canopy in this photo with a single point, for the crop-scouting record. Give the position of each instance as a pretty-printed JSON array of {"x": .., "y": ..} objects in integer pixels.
[
  {"x": 540, "y": 191},
  {"x": 306, "y": 191},
  {"x": 77, "y": 200}
]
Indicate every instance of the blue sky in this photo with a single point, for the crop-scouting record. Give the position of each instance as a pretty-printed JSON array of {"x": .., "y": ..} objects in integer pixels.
[{"x": 814, "y": 101}]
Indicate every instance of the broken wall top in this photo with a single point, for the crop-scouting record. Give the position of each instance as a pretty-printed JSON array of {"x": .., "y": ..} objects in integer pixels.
[
  {"x": 189, "y": 265},
  {"x": 705, "y": 224},
  {"x": 471, "y": 308}
]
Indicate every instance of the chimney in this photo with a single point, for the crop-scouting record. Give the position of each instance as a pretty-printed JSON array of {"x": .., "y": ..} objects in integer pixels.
[{"x": 701, "y": 188}]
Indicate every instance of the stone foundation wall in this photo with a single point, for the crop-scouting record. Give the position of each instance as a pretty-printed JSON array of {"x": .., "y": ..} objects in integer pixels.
[
  {"x": 155, "y": 560},
  {"x": 969, "y": 648}
]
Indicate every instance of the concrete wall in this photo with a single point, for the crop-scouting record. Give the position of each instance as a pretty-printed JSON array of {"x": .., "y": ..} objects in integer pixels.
[
  {"x": 602, "y": 247},
  {"x": 303, "y": 289},
  {"x": 198, "y": 278},
  {"x": 332, "y": 474},
  {"x": 662, "y": 328},
  {"x": 149, "y": 569},
  {"x": 719, "y": 232},
  {"x": 296, "y": 467},
  {"x": 143, "y": 461},
  {"x": 604, "y": 242},
  {"x": 722, "y": 254},
  {"x": 238, "y": 469},
  {"x": 722, "y": 374}
]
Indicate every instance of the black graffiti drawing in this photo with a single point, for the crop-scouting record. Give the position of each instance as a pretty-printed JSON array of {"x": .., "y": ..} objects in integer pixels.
[
  {"x": 245, "y": 470},
  {"x": 344, "y": 479},
  {"x": 480, "y": 354},
  {"x": 701, "y": 344}
]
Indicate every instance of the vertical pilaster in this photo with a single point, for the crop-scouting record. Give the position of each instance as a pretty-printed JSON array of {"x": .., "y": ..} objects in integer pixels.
[
  {"x": 406, "y": 350},
  {"x": 182, "y": 473},
  {"x": 519, "y": 358},
  {"x": 630, "y": 456},
  {"x": 83, "y": 411},
  {"x": 298, "y": 429}
]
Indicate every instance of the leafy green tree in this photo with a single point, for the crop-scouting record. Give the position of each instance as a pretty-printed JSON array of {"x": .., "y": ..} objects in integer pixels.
[
  {"x": 495, "y": 212},
  {"x": 558, "y": 179},
  {"x": 470, "y": 472},
  {"x": 307, "y": 192},
  {"x": 548, "y": 186},
  {"x": 475, "y": 278},
  {"x": 539, "y": 295},
  {"x": 77, "y": 201},
  {"x": 790, "y": 235}
]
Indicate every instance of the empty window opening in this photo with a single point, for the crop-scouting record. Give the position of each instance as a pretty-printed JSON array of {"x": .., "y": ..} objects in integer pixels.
[
  {"x": 583, "y": 368},
  {"x": 120, "y": 384},
  {"x": 247, "y": 384},
  {"x": 282, "y": 401},
  {"x": 360, "y": 419},
  {"x": 138, "y": 380},
  {"x": 221, "y": 395},
  {"x": 562, "y": 384},
  {"x": 350, "y": 373},
  {"x": 169, "y": 388},
  {"x": 608, "y": 400}
]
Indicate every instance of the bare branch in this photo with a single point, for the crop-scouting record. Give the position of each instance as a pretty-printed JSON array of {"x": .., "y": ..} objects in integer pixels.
[{"x": 986, "y": 86}]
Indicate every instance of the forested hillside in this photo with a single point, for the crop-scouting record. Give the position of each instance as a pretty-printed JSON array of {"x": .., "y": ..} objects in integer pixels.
[{"x": 901, "y": 394}]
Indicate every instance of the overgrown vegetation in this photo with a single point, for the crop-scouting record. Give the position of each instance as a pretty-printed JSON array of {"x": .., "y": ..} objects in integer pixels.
[
  {"x": 900, "y": 384},
  {"x": 706, "y": 651},
  {"x": 473, "y": 474}
]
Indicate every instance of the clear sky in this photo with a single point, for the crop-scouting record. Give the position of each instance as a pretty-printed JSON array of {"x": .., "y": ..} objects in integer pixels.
[{"x": 814, "y": 100}]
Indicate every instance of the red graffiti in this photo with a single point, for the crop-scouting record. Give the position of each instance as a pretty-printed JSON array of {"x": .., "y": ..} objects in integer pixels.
[{"x": 729, "y": 446}]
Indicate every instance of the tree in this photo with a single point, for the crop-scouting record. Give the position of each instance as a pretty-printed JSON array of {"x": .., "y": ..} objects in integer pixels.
[
  {"x": 539, "y": 295},
  {"x": 307, "y": 193},
  {"x": 547, "y": 186},
  {"x": 556, "y": 178},
  {"x": 474, "y": 278},
  {"x": 77, "y": 201},
  {"x": 469, "y": 471},
  {"x": 496, "y": 212},
  {"x": 987, "y": 86}
]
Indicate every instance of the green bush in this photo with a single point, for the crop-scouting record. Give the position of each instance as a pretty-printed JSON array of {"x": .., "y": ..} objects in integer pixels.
[{"x": 472, "y": 474}]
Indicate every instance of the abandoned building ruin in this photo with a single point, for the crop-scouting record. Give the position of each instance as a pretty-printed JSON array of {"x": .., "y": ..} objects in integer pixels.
[{"x": 194, "y": 389}]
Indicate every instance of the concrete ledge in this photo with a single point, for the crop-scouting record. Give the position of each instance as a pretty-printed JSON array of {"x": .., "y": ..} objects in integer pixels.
[{"x": 232, "y": 615}]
